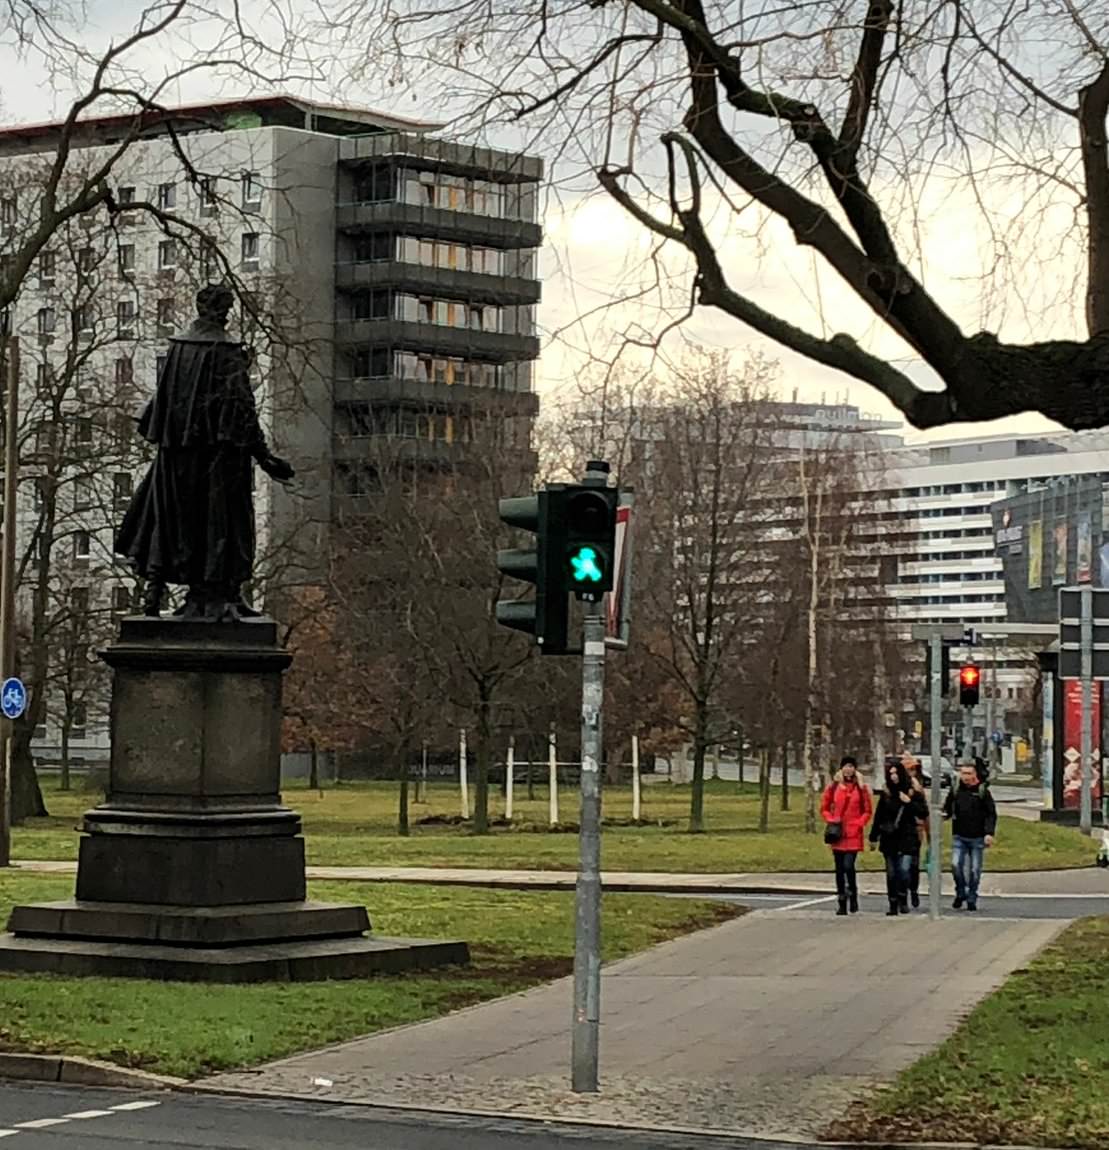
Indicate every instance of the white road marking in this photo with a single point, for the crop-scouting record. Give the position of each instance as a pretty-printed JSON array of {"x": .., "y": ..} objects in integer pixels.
[
  {"x": 41, "y": 1123},
  {"x": 135, "y": 1105},
  {"x": 807, "y": 902},
  {"x": 88, "y": 1114},
  {"x": 7, "y": 1133}
]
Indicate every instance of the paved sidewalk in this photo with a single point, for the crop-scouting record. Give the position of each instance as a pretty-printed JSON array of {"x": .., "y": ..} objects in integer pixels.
[
  {"x": 1078, "y": 883},
  {"x": 789, "y": 1018}
]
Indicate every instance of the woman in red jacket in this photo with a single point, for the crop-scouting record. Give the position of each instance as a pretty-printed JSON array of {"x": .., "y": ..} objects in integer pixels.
[{"x": 846, "y": 809}]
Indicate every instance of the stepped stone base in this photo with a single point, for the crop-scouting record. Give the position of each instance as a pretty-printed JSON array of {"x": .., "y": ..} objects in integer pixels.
[{"x": 303, "y": 961}]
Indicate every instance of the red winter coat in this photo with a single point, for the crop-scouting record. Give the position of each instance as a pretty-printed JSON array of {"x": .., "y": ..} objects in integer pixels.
[{"x": 849, "y": 804}]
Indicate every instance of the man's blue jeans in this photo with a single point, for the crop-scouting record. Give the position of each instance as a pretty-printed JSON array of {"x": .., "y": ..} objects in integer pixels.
[{"x": 966, "y": 867}]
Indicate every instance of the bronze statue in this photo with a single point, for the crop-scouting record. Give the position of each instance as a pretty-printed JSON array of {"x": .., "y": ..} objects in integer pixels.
[{"x": 191, "y": 521}]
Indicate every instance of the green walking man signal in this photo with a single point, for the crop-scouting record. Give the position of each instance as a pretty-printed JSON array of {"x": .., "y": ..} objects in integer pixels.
[{"x": 574, "y": 551}]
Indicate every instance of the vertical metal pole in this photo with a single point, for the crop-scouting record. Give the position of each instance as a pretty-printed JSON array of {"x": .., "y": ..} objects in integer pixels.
[
  {"x": 587, "y": 935},
  {"x": 991, "y": 709},
  {"x": 463, "y": 778},
  {"x": 1085, "y": 818},
  {"x": 1047, "y": 742},
  {"x": 968, "y": 732},
  {"x": 636, "y": 794},
  {"x": 7, "y": 590},
  {"x": 509, "y": 778},
  {"x": 935, "y": 827}
]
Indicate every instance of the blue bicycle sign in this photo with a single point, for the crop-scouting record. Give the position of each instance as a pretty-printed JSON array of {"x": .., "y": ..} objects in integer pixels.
[{"x": 13, "y": 698}]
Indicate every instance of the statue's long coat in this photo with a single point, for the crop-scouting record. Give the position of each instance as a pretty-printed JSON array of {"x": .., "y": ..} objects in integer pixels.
[{"x": 191, "y": 521}]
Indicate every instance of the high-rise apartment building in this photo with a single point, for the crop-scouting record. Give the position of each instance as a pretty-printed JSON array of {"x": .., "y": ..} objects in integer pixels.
[{"x": 390, "y": 279}]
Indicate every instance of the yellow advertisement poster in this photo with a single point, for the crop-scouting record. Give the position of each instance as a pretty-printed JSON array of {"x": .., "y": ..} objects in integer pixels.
[{"x": 1035, "y": 554}]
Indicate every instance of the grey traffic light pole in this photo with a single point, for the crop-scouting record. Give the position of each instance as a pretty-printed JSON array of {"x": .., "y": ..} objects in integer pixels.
[
  {"x": 585, "y": 1032},
  {"x": 935, "y": 837},
  {"x": 587, "y": 907},
  {"x": 1085, "y": 818}
]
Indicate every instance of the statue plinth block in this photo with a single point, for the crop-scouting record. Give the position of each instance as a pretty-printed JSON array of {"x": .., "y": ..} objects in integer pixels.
[{"x": 192, "y": 868}]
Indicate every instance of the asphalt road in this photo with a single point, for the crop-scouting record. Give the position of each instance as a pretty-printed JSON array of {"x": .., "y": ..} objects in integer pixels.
[{"x": 45, "y": 1117}]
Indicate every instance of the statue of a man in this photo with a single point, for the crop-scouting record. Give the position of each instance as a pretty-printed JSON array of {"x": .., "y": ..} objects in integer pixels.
[{"x": 191, "y": 521}]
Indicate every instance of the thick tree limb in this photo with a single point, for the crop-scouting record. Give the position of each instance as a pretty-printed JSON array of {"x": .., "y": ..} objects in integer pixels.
[
  {"x": 1093, "y": 110},
  {"x": 864, "y": 79}
]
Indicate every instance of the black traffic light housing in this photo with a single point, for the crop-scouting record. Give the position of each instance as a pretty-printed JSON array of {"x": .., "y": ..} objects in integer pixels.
[
  {"x": 547, "y": 615},
  {"x": 590, "y": 539},
  {"x": 970, "y": 680}
]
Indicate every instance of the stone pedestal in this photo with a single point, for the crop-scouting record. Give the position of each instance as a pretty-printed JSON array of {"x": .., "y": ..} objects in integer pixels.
[{"x": 192, "y": 867}]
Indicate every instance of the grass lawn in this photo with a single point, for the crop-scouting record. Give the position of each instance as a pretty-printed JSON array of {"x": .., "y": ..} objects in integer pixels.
[
  {"x": 517, "y": 939},
  {"x": 354, "y": 824},
  {"x": 1028, "y": 1067}
]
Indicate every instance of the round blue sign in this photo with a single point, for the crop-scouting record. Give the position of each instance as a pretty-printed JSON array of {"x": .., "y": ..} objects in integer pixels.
[{"x": 13, "y": 698}]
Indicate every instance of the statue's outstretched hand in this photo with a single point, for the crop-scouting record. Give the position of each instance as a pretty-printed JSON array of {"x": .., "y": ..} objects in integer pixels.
[{"x": 277, "y": 468}]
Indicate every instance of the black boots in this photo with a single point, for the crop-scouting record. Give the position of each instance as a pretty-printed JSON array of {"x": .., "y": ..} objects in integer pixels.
[
  {"x": 842, "y": 907},
  {"x": 854, "y": 903},
  {"x": 893, "y": 911}
]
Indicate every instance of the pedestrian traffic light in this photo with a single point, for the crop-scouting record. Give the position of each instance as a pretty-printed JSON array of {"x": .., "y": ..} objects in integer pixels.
[
  {"x": 969, "y": 681},
  {"x": 546, "y": 616},
  {"x": 590, "y": 541}
]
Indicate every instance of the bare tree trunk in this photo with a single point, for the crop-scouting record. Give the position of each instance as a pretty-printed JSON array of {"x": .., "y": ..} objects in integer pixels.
[
  {"x": 785, "y": 777},
  {"x": 481, "y": 766},
  {"x": 313, "y": 765},
  {"x": 27, "y": 801},
  {"x": 697, "y": 792},
  {"x": 811, "y": 700},
  {"x": 530, "y": 774},
  {"x": 764, "y": 790},
  {"x": 67, "y": 724},
  {"x": 739, "y": 759},
  {"x": 402, "y": 797}
]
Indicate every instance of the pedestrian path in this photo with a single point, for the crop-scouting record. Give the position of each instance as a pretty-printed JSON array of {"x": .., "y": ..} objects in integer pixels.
[
  {"x": 1082, "y": 882},
  {"x": 770, "y": 1024}
]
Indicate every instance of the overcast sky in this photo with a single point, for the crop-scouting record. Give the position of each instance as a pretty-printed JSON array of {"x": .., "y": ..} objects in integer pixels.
[{"x": 594, "y": 251}]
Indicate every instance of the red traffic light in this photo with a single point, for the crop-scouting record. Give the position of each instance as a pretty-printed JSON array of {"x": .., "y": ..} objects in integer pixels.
[{"x": 968, "y": 676}]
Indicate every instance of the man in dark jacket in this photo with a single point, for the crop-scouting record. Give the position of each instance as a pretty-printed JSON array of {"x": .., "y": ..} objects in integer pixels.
[{"x": 971, "y": 808}]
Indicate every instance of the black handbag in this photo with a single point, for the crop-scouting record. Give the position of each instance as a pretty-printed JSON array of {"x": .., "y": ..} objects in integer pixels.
[{"x": 833, "y": 832}]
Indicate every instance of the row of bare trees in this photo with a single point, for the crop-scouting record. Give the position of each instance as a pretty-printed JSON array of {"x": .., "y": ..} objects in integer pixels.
[{"x": 757, "y": 608}]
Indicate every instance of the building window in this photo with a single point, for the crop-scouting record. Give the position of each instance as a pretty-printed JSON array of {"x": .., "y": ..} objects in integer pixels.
[
  {"x": 165, "y": 313},
  {"x": 167, "y": 196},
  {"x": 83, "y": 317},
  {"x": 47, "y": 320},
  {"x": 46, "y": 269},
  {"x": 250, "y": 249},
  {"x": 126, "y": 195},
  {"x": 126, "y": 258},
  {"x": 82, "y": 495},
  {"x": 252, "y": 191},
  {"x": 167, "y": 255},
  {"x": 82, "y": 431},
  {"x": 125, "y": 370},
  {"x": 44, "y": 378},
  {"x": 379, "y": 246},
  {"x": 86, "y": 260},
  {"x": 209, "y": 195},
  {"x": 121, "y": 488},
  {"x": 121, "y": 602},
  {"x": 82, "y": 545},
  {"x": 375, "y": 184},
  {"x": 373, "y": 305},
  {"x": 125, "y": 318},
  {"x": 9, "y": 211}
]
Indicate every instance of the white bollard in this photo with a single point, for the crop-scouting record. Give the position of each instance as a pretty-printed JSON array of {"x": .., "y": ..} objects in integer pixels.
[
  {"x": 509, "y": 781},
  {"x": 462, "y": 778},
  {"x": 552, "y": 771},
  {"x": 635, "y": 778}
]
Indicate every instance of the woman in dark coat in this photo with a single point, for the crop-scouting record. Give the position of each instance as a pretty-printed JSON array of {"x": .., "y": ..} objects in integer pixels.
[{"x": 895, "y": 832}]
